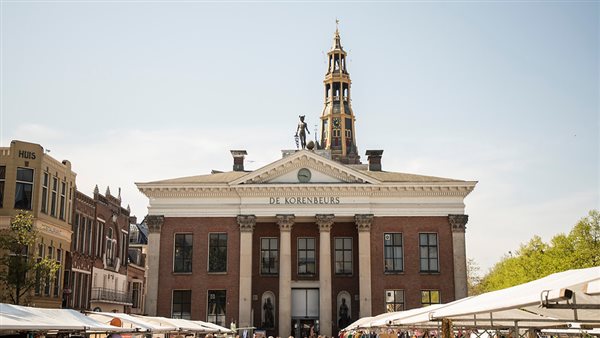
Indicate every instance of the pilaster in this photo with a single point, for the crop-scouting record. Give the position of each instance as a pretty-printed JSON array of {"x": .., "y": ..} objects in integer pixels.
[
  {"x": 155, "y": 223},
  {"x": 363, "y": 225},
  {"x": 325, "y": 223},
  {"x": 247, "y": 223},
  {"x": 457, "y": 225},
  {"x": 285, "y": 223}
]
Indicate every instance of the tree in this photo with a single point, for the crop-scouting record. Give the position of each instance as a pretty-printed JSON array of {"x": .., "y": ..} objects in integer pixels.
[
  {"x": 473, "y": 278},
  {"x": 20, "y": 271},
  {"x": 536, "y": 259}
]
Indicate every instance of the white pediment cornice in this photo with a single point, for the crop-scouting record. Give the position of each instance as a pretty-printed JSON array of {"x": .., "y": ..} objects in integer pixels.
[
  {"x": 440, "y": 189},
  {"x": 305, "y": 159}
]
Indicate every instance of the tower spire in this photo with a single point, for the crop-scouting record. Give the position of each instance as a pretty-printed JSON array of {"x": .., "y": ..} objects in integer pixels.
[
  {"x": 337, "y": 44},
  {"x": 337, "y": 118}
]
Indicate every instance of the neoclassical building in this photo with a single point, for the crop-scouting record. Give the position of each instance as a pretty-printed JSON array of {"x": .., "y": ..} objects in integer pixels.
[{"x": 316, "y": 239}]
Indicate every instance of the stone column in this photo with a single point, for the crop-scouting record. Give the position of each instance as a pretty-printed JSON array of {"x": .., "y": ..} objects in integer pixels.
[
  {"x": 363, "y": 224},
  {"x": 325, "y": 222},
  {"x": 155, "y": 223},
  {"x": 247, "y": 223},
  {"x": 457, "y": 224},
  {"x": 284, "y": 321}
]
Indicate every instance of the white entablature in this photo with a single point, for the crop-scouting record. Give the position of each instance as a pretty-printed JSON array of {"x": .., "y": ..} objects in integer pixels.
[{"x": 278, "y": 188}]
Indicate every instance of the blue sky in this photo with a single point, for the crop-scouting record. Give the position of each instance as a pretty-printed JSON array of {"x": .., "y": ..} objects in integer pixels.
[{"x": 505, "y": 93}]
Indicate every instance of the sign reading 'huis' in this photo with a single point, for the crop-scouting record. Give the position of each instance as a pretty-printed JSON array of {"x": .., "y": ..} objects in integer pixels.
[{"x": 304, "y": 200}]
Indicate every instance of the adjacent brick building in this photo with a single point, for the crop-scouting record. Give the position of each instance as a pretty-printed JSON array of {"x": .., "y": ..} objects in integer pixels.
[{"x": 315, "y": 239}]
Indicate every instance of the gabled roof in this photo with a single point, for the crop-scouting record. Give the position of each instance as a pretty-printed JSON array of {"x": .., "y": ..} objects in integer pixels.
[{"x": 303, "y": 158}]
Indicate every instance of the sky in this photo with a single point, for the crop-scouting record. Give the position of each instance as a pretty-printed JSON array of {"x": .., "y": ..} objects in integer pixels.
[{"x": 503, "y": 93}]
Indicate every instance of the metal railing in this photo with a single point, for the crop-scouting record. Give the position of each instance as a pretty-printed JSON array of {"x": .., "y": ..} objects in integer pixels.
[{"x": 110, "y": 295}]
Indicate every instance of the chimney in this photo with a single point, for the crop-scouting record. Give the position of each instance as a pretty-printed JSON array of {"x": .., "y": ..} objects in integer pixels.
[
  {"x": 238, "y": 159},
  {"x": 374, "y": 157}
]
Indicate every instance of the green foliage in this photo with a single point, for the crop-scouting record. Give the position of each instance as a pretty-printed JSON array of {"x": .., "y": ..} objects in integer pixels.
[
  {"x": 536, "y": 259},
  {"x": 19, "y": 270}
]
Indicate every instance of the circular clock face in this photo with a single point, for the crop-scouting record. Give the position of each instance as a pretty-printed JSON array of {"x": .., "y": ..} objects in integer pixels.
[
  {"x": 336, "y": 122},
  {"x": 304, "y": 175}
]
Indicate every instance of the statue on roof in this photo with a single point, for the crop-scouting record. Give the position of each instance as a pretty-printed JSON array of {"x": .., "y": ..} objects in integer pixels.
[{"x": 301, "y": 131}]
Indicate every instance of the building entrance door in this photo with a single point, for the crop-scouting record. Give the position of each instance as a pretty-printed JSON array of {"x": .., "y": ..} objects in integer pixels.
[
  {"x": 305, "y": 312},
  {"x": 305, "y": 328}
]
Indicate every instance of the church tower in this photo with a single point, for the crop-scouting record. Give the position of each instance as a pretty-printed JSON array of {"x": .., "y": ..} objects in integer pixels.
[{"x": 337, "y": 119}]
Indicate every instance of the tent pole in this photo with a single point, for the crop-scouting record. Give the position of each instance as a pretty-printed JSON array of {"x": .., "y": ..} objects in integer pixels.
[{"x": 447, "y": 328}]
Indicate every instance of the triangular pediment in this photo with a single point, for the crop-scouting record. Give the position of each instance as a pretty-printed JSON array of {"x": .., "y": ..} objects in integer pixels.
[{"x": 321, "y": 171}]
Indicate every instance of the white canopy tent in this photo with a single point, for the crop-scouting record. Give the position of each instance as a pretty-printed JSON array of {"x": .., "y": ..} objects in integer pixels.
[
  {"x": 219, "y": 328},
  {"x": 138, "y": 324},
  {"x": 181, "y": 324},
  {"x": 24, "y": 318},
  {"x": 569, "y": 296}
]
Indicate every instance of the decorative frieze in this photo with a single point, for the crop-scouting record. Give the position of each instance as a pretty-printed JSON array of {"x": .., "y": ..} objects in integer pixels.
[
  {"x": 246, "y": 222},
  {"x": 363, "y": 221},
  {"x": 285, "y": 221},
  {"x": 458, "y": 222},
  {"x": 325, "y": 221},
  {"x": 155, "y": 222},
  {"x": 294, "y": 190}
]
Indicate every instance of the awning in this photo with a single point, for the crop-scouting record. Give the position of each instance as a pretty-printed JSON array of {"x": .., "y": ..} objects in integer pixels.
[
  {"x": 569, "y": 296},
  {"x": 24, "y": 318},
  {"x": 132, "y": 322}
]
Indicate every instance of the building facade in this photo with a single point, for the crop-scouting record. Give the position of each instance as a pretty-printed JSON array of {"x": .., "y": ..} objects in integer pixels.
[
  {"x": 136, "y": 271},
  {"x": 314, "y": 240},
  {"x": 33, "y": 181},
  {"x": 109, "y": 273}
]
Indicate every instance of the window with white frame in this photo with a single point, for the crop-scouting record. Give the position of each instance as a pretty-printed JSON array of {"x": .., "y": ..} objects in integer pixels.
[
  {"x": 428, "y": 252},
  {"x": 217, "y": 301},
  {"x": 394, "y": 300},
  {"x": 393, "y": 256},
  {"x": 24, "y": 189},
  {"x": 429, "y": 297},
  {"x": 343, "y": 255}
]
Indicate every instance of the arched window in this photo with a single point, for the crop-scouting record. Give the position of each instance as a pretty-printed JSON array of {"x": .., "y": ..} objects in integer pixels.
[{"x": 111, "y": 243}]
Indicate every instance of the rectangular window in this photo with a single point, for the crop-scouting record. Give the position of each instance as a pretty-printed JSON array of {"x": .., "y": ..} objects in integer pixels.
[
  {"x": 89, "y": 236},
  {"x": 343, "y": 256},
  {"x": 123, "y": 248},
  {"x": 38, "y": 277},
  {"x": 306, "y": 256},
  {"x": 217, "y": 252},
  {"x": 182, "y": 256},
  {"x": 85, "y": 291},
  {"x": 216, "y": 307},
  {"x": 63, "y": 199},
  {"x": 2, "y": 180},
  {"x": 99, "y": 237},
  {"x": 269, "y": 256},
  {"x": 393, "y": 258},
  {"x": 53, "y": 196},
  {"x": 135, "y": 294},
  {"x": 394, "y": 300},
  {"x": 429, "y": 297},
  {"x": 428, "y": 252},
  {"x": 24, "y": 189},
  {"x": 76, "y": 289},
  {"x": 48, "y": 279},
  {"x": 76, "y": 229},
  {"x": 45, "y": 181},
  {"x": 58, "y": 273},
  {"x": 182, "y": 304},
  {"x": 83, "y": 225}
]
